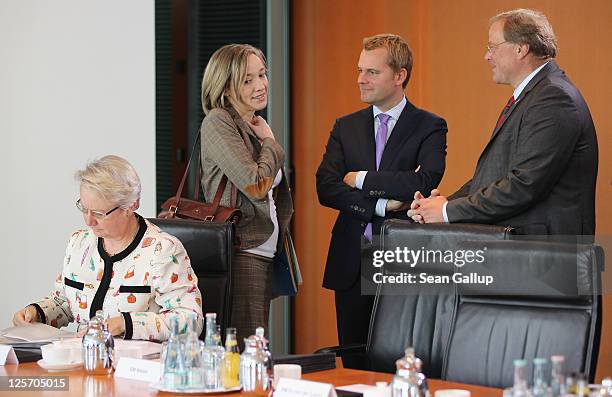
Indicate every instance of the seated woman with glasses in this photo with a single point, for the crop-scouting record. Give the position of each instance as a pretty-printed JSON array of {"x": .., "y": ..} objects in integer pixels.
[{"x": 122, "y": 264}]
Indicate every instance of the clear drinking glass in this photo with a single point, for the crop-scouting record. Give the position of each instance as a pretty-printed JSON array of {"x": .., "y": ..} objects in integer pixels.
[
  {"x": 174, "y": 360},
  {"x": 162, "y": 359},
  {"x": 193, "y": 356}
]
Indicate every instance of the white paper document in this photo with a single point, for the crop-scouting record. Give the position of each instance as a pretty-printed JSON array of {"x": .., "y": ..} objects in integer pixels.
[
  {"x": 287, "y": 387},
  {"x": 36, "y": 332},
  {"x": 126, "y": 348},
  {"x": 368, "y": 390}
]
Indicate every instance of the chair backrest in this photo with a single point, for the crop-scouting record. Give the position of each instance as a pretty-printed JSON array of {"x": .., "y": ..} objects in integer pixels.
[
  {"x": 404, "y": 315},
  {"x": 545, "y": 301},
  {"x": 210, "y": 249}
]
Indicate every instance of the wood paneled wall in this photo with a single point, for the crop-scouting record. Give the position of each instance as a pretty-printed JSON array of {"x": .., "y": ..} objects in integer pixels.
[{"x": 450, "y": 78}]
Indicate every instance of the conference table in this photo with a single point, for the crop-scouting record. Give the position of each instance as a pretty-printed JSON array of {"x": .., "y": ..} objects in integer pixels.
[{"x": 108, "y": 386}]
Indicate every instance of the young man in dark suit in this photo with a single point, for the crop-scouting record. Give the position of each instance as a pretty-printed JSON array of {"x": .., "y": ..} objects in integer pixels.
[
  {"x": 538, "y": 171},
  {"x": 375, "y": 160}
]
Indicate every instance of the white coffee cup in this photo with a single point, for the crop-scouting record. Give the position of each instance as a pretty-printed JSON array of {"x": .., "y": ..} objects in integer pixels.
[
  {"x": 54, "y": 354},
  {"x": 292, "y": 371},
  {"x": 452, "y": 393}
]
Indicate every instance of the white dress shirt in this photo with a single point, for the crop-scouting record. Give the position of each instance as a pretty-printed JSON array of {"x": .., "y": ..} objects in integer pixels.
[
  {"x": 394, "y": 114},
  {"x": 268, "y": 248}
]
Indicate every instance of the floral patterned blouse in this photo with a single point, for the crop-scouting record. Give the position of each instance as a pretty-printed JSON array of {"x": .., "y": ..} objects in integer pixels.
[{"x": 148, "y": 282}]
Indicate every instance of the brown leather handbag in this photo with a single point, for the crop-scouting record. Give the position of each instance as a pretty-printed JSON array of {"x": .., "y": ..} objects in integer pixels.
[{"x": 185, "y": 208}]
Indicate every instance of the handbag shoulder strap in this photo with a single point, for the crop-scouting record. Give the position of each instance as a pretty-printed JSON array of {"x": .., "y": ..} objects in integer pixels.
[
  {"x": 179, "y": 191},
  {"x": 198, "y": 187}
]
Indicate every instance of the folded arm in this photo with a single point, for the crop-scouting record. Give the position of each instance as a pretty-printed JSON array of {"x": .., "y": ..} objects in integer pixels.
[
  {"x": 401, "y": 185},
  {"x": 331, "y": 189}
]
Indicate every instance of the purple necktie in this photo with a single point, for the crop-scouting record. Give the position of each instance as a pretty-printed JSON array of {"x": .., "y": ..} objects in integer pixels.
[{"x": 381, "y": 140}]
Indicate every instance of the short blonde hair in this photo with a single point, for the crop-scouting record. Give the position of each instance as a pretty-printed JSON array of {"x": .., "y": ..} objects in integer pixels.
[
  {"x": 400, "y": 55},
  {"x": 113, "y": 178},
  {"x": 225, "y": 74},
  {"x": 524, "y": 26}
]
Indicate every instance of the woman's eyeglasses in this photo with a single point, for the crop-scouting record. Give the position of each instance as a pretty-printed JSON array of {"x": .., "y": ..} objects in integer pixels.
[{"x": 99, "y": 215}]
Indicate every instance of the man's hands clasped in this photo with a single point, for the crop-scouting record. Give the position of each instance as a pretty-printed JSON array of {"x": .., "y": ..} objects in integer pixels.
[{"x": 427, "y": 210}]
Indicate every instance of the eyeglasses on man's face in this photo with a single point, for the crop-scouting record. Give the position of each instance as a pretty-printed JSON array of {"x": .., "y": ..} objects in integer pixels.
[
  {"x": 492, "y": 47},
  {"x": 99, "y": 215}
]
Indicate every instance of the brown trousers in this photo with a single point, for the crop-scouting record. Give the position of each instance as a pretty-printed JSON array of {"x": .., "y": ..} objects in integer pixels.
[{"x": 252, "y": 292}]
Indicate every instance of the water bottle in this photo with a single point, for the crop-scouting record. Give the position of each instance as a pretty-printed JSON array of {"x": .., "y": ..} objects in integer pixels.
[
  {"x": 606, "y": 387},
  {"x": 557, "y": 377},
  {"x": 540, "y": 386},
  {"x": 98, "y": 347},
  {"x": 408, "y": 380},
  {"x": 259, "y": 332},
  {"x": 254, "y": 367},
  {"x": 582, "y": 386},
  {"x": 421, "y": 379},
  {"x": 231, "y": 361},
  {"x": 174, "y": 362},
  {"x": 193, "y": 355},
  {"x": 519, "y": 388},
  {"x": 211, "y": 325},
  {"x": 212, "y": 355}
]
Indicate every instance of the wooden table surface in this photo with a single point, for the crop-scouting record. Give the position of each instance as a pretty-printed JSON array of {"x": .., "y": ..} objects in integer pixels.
[{"x": 83, "y": 385}]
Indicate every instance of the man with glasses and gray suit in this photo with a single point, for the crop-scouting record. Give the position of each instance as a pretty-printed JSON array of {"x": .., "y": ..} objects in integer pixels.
[{"x": 539, "y": 169}]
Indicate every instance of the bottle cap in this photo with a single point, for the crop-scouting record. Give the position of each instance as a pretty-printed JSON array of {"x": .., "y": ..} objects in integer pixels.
[{"x": 520, "y": 363}]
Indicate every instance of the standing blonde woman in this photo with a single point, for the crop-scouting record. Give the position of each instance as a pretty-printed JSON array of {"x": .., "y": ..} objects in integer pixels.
[{"x": 239, "y": 144}]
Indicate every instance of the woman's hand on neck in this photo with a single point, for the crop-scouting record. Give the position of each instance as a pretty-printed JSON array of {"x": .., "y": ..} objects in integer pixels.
[{"x": 248, "y": 116}]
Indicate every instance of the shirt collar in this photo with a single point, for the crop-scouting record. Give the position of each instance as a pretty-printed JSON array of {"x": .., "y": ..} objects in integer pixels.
[
  {"x": 394, "y": 112},
  {"x": 524, "y": 83}
]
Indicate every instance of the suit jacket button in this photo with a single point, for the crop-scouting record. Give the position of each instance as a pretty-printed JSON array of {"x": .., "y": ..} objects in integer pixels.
[
  {"x": 363, "y": 224},
  {"x": 371, "y": 192}
]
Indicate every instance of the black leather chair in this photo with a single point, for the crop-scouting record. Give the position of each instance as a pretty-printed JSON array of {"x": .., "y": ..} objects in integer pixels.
[
  {"x": 545, "y": 301},
  {"x": 210, "y": 249},
  {"x": 407, "y": 316},
  {"x": 413, "y": 316}
]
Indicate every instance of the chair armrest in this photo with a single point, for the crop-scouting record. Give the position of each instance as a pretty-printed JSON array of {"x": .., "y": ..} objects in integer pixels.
[{"x": 347, "y": 350}]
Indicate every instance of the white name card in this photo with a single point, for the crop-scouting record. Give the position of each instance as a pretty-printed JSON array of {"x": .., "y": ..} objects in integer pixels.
[
  {"x": 369, "y": 391},
  {"x": 287, "y": 387},
  {"x": 137, "y": 369},
  {"x": 7, "y": 355}
]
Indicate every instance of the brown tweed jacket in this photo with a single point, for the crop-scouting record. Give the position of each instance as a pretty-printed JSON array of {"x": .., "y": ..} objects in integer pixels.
[{"x": 230, "y": 147}]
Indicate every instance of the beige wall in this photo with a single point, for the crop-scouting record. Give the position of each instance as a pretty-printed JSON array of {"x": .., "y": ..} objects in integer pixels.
[
  {"x": 450, "y": 78},
  {"x": 77, "y": 81}
]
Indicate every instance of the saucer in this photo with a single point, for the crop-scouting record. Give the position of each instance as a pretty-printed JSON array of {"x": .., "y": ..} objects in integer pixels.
[
  {"x": 60, "y": 367},
  {"x": 160, "y": 387}
]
